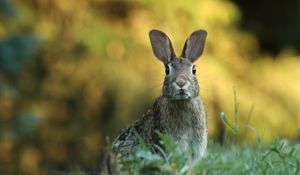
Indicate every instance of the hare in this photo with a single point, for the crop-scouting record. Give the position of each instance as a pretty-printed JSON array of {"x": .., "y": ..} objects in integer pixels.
[{"x": 179, "y": 112}]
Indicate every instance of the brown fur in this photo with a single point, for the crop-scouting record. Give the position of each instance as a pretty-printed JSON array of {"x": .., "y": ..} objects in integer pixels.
[
  {"x": 183, "y": 121},
  {"x": 179, "y": 112}
]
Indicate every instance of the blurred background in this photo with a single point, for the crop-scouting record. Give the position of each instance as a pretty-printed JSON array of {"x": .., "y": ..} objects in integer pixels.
[{"x": 73, "y": 75}]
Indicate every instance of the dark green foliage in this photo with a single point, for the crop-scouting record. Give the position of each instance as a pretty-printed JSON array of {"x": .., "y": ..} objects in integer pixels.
[
  {"x": 275, "y": 23},
  {"x": 15, "y": 51},
  {"x": 6, "y": 8}
]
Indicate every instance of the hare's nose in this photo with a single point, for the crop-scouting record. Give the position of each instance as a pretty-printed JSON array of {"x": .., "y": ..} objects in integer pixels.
[{"x": 181, "y": 80}]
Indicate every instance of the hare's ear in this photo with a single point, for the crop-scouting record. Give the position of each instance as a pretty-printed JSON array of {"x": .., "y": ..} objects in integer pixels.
[
  {"x": 161, "y": 46},
  {"x": 194, "y": 45}
]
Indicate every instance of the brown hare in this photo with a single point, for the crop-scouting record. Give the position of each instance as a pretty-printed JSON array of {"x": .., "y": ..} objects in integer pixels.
[{"x": 179, "y": 112}]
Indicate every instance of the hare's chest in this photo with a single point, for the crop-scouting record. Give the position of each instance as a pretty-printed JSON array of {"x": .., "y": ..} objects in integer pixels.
[
  {"x": 182, "y": 128},
  {"x": 184, "y": 139}
]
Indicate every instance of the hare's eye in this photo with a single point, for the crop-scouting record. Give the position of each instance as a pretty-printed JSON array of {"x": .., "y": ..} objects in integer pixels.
[
  {"x": 167, "y": 70},
  {"x": 194, "y": 69}
]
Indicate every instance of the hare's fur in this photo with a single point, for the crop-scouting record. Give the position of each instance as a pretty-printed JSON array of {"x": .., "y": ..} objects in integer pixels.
[
  {"x": 183, "y": 121},
  {"x": 179, "y": 112}
]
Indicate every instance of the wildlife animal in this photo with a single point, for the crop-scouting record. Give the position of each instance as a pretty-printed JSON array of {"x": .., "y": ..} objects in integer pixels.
[{"x": 179, "y": 112}]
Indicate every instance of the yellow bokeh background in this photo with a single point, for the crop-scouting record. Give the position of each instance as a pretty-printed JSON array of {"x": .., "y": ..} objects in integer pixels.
[{"x": 99, "y": 75}]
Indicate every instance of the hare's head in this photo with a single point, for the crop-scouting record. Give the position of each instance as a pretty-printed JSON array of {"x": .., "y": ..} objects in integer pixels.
[{"x": 180, "y": 81}]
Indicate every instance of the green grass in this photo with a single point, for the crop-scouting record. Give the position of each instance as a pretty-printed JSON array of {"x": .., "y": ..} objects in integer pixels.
[{"x": 279, "y": 157}]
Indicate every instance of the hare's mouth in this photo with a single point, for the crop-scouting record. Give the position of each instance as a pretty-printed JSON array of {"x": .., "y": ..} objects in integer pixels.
[{"x": 182, "y": 95}]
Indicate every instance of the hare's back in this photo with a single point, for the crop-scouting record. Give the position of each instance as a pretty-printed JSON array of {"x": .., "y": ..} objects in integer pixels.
[{"x": 132, "y": 136}]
